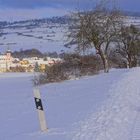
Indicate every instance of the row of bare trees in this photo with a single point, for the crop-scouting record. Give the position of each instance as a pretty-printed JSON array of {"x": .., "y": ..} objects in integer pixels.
[
  {"x": 129, "y": 45},
  {"x": 105, "y": 30},
  {"x": 105, "y": 33},
  {"x": 73, "y": 66}
]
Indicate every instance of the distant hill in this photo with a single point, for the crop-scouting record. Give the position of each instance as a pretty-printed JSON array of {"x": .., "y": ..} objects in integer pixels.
[
  {"x": 45, "y": 35},
  {"x": 133, "y": 14},
  {"x": 35, "y": 22}
]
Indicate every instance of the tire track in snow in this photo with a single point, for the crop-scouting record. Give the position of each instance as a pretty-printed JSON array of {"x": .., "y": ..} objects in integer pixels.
[
  {"x": 136, "y": 129},
  {"x": 116, "y": 119}
]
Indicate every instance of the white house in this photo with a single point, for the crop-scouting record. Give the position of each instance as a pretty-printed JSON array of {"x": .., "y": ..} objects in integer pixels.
[{"x": 5, "y": 61}]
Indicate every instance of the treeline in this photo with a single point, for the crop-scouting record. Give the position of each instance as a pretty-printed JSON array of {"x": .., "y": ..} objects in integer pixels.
[
  {"x": 27, "y": 53},
  {"x": 75, "y": 65},
  {"x": 34, "y": 53},
  {"x": 33, "y": 23}
]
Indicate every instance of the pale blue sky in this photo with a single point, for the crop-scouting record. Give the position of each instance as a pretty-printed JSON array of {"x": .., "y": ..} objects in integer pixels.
[
  {"x": 132, "y": 5},
  {"x": 22, "y": 9}
]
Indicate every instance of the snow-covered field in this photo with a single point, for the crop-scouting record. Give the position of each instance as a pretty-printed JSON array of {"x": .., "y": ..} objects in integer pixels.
[
  {"x": 102, "y": 107},
  {"x": 46, "y": 37}
]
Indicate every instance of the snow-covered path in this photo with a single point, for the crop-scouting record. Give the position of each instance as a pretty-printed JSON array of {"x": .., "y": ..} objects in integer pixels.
[
  {"x": 102, "y": 107},
  {"x": 119, "y": 118},
  {"x": 136, "y": 128},
  {"x": 65, "y": 104}
]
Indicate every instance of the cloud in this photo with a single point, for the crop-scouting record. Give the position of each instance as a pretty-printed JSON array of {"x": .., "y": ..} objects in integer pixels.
[
  {"x": 124, "y": 4},
  {"x": 11, "y": 10},
  {"x": 28, "y": 9},
  {"x": 10, "y": 14},
  {"x": 130, "y": 5},
  {"x": 41, "y": 3}
]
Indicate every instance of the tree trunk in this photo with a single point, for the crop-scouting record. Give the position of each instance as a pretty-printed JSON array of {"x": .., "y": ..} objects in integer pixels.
[
  {"x": 127, "y": 64},
  {"x": 129, "y": 61},
  {"x": 105, "y": 61}
]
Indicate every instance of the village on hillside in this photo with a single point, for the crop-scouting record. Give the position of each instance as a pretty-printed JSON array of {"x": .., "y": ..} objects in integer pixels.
[{"x": 9, "y": 63}]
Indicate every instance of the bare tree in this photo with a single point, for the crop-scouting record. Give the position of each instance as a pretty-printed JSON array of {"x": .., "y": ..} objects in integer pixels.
[
  {"x": 95, "y": 29},
  {"x": 129, "y": 45}
]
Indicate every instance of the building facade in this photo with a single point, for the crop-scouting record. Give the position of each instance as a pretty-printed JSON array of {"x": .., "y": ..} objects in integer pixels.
[
  {"x": 11, "y": 64},
  {"x": 5, "y": 61}
]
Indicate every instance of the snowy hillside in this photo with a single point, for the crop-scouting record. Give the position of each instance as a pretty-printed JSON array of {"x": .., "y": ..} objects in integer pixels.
[
  {"x": 102, "y": 107},
  {"x": 46, "y": 35}
]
